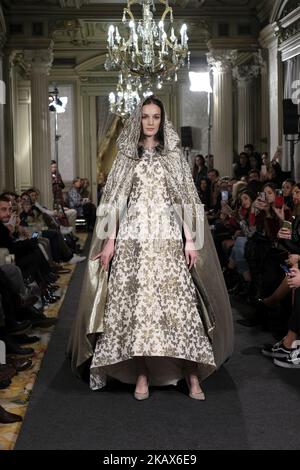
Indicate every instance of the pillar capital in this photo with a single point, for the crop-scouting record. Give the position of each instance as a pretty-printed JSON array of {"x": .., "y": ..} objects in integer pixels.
[
  {"x": 244, "y": 74},
  {"x": 38, "y": 60},
  {"x": 221, "y": 60}
]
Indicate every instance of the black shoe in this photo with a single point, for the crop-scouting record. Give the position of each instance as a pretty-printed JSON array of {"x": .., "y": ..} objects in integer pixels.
[
  {"x": 25, "y": 339},
  {"x": 39, "y": 319},
  {"x": 18, "y": 327},
  {"x": 8, "y": 418},
  {"x": 20, "y": 364},
  {"x": 4, "y": 384},
  {"x": 7, "y": 372},
  {"x": 291, "y": 361},
  {"x": 13, "y": 349},
  {"x": 277, "y": 350},
  {"x": 26, "y": 300}
]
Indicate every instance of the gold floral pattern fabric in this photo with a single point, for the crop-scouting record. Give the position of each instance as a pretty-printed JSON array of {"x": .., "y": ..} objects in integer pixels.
[{"x": 151, "y": 308}]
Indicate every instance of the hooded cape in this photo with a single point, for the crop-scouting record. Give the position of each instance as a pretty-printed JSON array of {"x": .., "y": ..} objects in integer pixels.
[{"x": 214, "y": 306}]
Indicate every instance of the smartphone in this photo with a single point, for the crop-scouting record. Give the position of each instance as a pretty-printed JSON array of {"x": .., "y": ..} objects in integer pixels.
[
  {"x": 224, "y": 195},
  {"x": 262, "y": 196},
  {"x": 35, "y": 235},
  {"x": 285, "y": 268},
  {"x": 287, "y": 224},
  {"x": 279, "y": 200}
]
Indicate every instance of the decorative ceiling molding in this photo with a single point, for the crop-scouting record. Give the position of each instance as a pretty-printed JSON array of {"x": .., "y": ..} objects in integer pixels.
[
  {"x": 91, "y": 63},
  {"x": 283, "y": 8},
  {"x": 238, "y": 43}
]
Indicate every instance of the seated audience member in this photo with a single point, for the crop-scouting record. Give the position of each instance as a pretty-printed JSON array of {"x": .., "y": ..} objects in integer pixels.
[
  {"x": 84, "y": 189},
  {"x": 242, "y": 167},
  {"x": 199, "y": 169},
  {"x": 286, "y": 352},
  {"x": 57, "y": 184},
  {"x": 287, "y": 192},
  {"x": 209, "y": 160},
  {"x": 214, "y": 178},
  {"x": 255, "y": 185},
  {"x": 204, "y": 193},
  {"x": 84, "y": 207}
]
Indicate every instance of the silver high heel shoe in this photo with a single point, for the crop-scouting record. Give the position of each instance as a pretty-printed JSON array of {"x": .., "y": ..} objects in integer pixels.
[
  {"x": 141, "y": 396},
  {"x": 196, "y": 395}
]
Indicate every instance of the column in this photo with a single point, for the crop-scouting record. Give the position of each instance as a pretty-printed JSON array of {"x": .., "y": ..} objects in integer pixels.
[
  {"x": 2, "y": 104},
  {"x": 38, "y": 63},
  {"x": 264, "y": 107},
  {"x": 269, "y": 41},
  {"x": 222, "y": 131},
  {"x": 245, "y": 75}
]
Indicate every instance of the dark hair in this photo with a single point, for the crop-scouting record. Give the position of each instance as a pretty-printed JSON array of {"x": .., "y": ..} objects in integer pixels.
[
  {"x": 160, "y": 134},
  {"x": 291, "y": 181},
  {"x": 215, "y": 171},
  {"x": 257, "y": 172},
  {"x": 4, "y": 198},
  {"x": 248, "y": 193},
  {"x": 201, "y": 158},
  {"x": 53, "y": 162},
  {"x": 249, "y": 146},
  {"x": 271, "y": 185},
  {"x": 9, "y": 194},
  {"x": 33, "y": 190},
  {"x": 243, "y": 154}
]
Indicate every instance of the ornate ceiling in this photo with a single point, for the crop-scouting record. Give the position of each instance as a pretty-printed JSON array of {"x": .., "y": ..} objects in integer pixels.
[{"x": 203, "y": 6}]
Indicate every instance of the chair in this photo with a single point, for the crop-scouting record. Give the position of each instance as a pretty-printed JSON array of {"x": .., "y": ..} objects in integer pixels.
[{"x": 81, "y": 224}]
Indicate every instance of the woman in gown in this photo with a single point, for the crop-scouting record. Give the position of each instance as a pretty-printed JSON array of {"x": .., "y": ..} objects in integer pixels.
[{"x": 153, "y": 308}]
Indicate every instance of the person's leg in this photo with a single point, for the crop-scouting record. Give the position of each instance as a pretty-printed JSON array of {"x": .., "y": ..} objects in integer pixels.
[
  {"x": 14, "y": 274},
  {"x": 241, "y": 262},
  {"x": 89, "y": 212},
  {"x": 294, "y": 322},
  {"x": 278, "y": 295},
  {"x": 71, "y": 216},
  {"x": 191, "y": 374}
]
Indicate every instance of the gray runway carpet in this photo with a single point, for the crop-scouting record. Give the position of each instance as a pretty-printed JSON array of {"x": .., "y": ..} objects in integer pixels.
[{"x": 251, "y": 404}]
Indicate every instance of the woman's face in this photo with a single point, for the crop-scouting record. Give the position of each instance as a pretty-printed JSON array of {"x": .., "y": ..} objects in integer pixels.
[
  {"x": 287, "y": 189},
  {"x": 198, "y": 161},
  {"x": 270, "y": 195},
  {"x": 151, "y": 118},
  {"x": 296, "y": 195},
  {"x": 203, "y": 185},
  {"x": 246, "y": 201}
]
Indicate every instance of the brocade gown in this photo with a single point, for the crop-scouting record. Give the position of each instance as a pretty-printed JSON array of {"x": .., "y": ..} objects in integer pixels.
[{"x": 151, "y": 308}]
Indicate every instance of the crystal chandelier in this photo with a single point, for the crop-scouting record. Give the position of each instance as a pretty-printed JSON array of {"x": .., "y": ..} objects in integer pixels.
[{"x": 148, "y": 57}]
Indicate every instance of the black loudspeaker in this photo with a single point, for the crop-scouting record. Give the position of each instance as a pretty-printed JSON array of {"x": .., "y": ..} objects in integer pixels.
[
  {"x": 290, "y": 117},
  {"x": 186, "y": 137}
]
